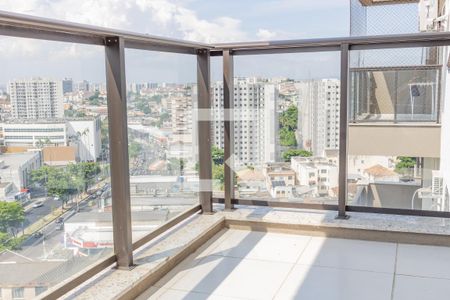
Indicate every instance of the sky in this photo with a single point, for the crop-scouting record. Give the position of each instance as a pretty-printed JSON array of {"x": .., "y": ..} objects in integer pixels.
[{"x": 196, "y": 20}]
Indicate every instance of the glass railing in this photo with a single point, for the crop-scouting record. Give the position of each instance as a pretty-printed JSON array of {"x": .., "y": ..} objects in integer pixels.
[
  {"x": 162, "y": 139},
  {"x": 55, "y": 177},
  {"x": 159, "y": 130}
]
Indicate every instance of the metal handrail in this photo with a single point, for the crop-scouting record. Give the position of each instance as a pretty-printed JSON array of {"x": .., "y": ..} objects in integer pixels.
[
  {"x": 9, "y": 22},
  {"x": 15, "y": 24}
]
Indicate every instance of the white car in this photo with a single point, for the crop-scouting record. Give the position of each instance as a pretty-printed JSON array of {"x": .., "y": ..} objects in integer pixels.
[{"x": 38, "y": 204}]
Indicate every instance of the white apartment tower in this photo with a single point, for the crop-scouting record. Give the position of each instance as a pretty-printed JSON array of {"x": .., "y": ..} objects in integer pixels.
[
  {"x": 36, "y": 99},
  {"x": 183, "y": 136},
  {"x": 319, "y": 114},
  {"x": 255, "y": 121}
]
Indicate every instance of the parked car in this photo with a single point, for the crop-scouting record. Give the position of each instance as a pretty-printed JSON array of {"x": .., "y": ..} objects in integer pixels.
[
  {"x": 60, "y": 226},
  {"x": 59, "y": 220},
  {"x": 38, "y": 234},
  {"x": 38, "y": 204},
  {"x": 92, "y": 190}
]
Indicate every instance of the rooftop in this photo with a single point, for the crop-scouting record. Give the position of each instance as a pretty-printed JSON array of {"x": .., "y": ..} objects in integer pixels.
[{"x": 15, "y": 160}]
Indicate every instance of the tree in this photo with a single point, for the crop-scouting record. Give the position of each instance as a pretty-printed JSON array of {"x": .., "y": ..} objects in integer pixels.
[
  {"x": 142, "y": 105},
  {"x": 81, "y": 174},
  {"x": 61, "y": 182},
  {"x": 134, "y": 149},
  {"x": 9, "y": 242},
  {"x": 156, "y": 98},
  {"x": 289, "y": 118},
  {"x": 162, "y": 118},
  {"x": 405, "y": 163},
  {"x": 287, "y": 137},
  {"x": 288, "y": 125},
  {"x": 176, "y": 165},
  {"x": 104, "y": 134},
  {"x": 11, "y": 216},
  {"x": 70, "y": 113},
  {"x": 217, "y": 155},
  {"x": 295, "y": 152},
  {"x": 218, "y": 175},
  {"x": 94, "y": 99}
]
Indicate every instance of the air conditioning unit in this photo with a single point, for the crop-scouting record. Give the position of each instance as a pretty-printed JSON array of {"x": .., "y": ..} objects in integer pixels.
[{"x": 437, "y": 184}]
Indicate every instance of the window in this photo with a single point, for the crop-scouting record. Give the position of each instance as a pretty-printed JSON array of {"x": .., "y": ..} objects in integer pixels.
[
  {"x": 18, "y": 293},
  {"x": 39, "y": 290}
]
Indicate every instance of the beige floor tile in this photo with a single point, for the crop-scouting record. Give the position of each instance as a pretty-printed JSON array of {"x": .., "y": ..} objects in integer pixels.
[
  {"x": 427, "y": 261},
  {"x": 262, "y": 245},
  {"x": 421, "y": 288},
  {"x": 235, "y": 277},
  {"x": 350, "y": 254},
  {"x": 314, "y": 283}
]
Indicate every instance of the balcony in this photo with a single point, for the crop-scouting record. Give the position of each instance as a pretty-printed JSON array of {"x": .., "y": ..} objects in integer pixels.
[{"x": 365, "y": 218}]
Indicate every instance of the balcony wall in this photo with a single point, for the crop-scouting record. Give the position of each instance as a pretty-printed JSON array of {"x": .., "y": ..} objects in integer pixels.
[{"x": 415, "y": 140}]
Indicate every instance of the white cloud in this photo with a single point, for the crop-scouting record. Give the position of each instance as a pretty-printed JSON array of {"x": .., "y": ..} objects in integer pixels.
[
  {"x": 265, "y": 34},
  {"x": 159, "y": 17},
  {"x": 189, "y": 25}
]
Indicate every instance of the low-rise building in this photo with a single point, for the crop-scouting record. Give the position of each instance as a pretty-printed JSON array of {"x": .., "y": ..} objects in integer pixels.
[
  {"x": 280, "y": 180},
  {"x": 16, "y": 167},
  {"x": 316, "y": 172},
  {"x": 81, "y": 133}
]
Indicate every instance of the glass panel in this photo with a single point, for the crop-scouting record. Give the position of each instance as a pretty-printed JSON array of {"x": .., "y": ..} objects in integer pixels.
[
  {"x": 396, "y": 163},
  {"x": 286, "y": 129},
  {"x": 217, "y": 127},
  {"x": 395, "y": 94},
  {"x": 162, "y": 139},
  {"x": 54, "y": 164}
]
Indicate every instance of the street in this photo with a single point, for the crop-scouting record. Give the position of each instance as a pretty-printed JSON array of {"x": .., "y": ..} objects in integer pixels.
[
  {"x": 32, "y": 215},
  {"x": 52, "y": 238}
]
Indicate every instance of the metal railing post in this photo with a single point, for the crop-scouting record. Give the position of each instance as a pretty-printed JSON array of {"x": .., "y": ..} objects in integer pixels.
[
  {"x": 118, "y": 147},
  {"x": 204, "y": 129},
  {"x": 228, "y": 106},
  {"x": 343, "y": 130}
]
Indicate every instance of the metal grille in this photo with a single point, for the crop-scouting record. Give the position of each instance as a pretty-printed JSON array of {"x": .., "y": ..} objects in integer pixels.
[{"x": 385, "y": 20}]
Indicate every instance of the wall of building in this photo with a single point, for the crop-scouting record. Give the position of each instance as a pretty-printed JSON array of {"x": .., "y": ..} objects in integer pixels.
[
  {"x": 416, "y": 140},
  {"x": 86, "y": 135}
]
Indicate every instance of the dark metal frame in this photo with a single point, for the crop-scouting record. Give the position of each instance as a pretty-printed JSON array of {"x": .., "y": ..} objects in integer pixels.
[
  {"x": 115, "y": 42},
  {"x": 228, "y": 105}
]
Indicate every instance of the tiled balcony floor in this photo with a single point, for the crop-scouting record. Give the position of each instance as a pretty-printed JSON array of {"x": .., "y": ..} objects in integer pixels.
[{"x": 238, "y": 264}]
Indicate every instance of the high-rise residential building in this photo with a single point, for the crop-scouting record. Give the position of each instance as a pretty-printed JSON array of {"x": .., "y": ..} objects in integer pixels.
[
  {"x": 319, "y": 114},
  {"x": 82, "y": 86},
  {"x": 36, "y": 99},
  {"x": 67, "y": 85},
  {"x": 136, "y": 87},
  {"x": 182, "y": 138},
  {"x": 255, "y": 121},
  {"x": 97, "y": 87}
]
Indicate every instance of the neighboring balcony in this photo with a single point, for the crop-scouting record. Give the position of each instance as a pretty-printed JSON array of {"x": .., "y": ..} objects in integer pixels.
[{"x": 394, "y": 107}]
